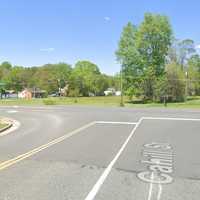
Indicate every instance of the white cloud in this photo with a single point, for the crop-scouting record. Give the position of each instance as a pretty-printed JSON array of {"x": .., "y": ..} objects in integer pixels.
[
  {"x": 47, "y": 49},
  {"x": 107, "y": 19}
]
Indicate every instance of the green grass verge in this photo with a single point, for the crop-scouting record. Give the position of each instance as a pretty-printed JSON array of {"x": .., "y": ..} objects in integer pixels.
[
  {"x": 109, "y": 101},
  {"x": 3, "y": 125},
  {"x": 106, "y": 101}
]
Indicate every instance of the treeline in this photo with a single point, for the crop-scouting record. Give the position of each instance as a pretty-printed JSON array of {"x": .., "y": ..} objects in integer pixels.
[
  {"x": 83, "y": 79},
  {"x": 155, "y": 65}
]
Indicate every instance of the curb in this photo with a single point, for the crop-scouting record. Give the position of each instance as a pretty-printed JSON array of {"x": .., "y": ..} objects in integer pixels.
[
  {"x": 7, "y": 121},
  {"x": 5, "y": 128},
  {"x": 12, "y": 126}
]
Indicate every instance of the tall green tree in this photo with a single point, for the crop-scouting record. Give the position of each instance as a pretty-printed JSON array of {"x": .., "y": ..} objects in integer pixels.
[
  {"x": 6, "y": 65},
  {"x": 127, "y": 53},
  {"x": 176, "y": 83},
  {"x": 153, "y": 41},
  {"x": 5, "y": 68},
  {"x": 129, "y": 57},
  {"x": 84, "y": 77},
  {"x": 180, "y": 52},
  {"x": 15, "y": 79},
  {"x": 185, "y": 49},
  {"x": 51, "y": 77},
  {"x": 142, "y": 53},
  {"x": 194, "y": 75}
]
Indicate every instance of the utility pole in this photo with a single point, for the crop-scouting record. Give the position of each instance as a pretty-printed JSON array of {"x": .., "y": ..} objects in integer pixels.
[
  {"x": 121, "y": 87},
  {"x": 186, "y": 85},
  {"x": 59, "y": 89}
]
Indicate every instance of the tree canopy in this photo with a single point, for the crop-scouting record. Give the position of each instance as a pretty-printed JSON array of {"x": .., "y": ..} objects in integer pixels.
[
  {"x": 83, "y": 79},
  {"x": 142, "y": 52}
]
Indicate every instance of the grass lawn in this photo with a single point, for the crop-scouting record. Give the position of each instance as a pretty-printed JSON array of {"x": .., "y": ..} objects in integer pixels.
[
  {"x": 193, "y": 102},
  {"x": 106, "y": 101},
  {"x": 2, "y": 125}
]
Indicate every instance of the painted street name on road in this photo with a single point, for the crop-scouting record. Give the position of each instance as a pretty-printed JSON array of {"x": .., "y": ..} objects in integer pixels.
[{"x": 159, "y": 158}]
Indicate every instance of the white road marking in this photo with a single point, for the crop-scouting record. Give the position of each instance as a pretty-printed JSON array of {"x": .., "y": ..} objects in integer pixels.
[
  {"x": 151, "y": 187},
  {"x": 159, "y": 192},
  {"x": 171, "y": 118},
  {"x": 111, "y": 122},
  {"x": 91, "y": 195},
  {"x": 12, "y": 111}
]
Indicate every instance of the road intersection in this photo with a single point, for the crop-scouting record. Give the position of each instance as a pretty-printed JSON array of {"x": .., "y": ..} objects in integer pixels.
[{"x": 100, "y": 153}]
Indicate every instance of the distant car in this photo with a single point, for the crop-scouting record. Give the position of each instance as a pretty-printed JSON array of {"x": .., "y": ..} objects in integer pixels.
[{"x": 53, "y": 95}]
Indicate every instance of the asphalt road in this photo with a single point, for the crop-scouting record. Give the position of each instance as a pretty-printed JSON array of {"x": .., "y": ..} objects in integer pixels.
[{"x": 86, "y": 153}]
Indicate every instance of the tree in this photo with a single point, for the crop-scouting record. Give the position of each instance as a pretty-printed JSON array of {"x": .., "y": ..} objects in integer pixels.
[
  {"x": 52, "y": 77},
  {"x": 15, "y": 79},
  {"x": 6, "y": 65},
  {"x": 62, "y": 72},
  {"x": 142, "y": 53},
  {"x": 129, "y": 57},
  {"x": 5, "y": 68},
  {"x": 84, "y": 77},
  {"x": 153, "y": 41},
  {"x": 175, "y": 82},
  {"x": 172, "y": 56},
  {"x": 127, "y": 53},
  {"x": 186, "y": 49},
  {"x": 180, "y": 51},
  {"x": 162, "y": 90},
  {"x": 194, "y": 75}
]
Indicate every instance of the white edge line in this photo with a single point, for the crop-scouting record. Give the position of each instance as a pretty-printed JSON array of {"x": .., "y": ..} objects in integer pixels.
[
  {"x": 91, "y": 195},
  {"x": 171, "y": 118},
  {"x": 111, "y": 122}
]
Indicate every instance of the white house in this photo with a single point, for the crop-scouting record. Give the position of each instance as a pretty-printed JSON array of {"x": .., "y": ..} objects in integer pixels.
[
  {"x": 118, "y": 93},
  {"x": 112, "y": 92}
]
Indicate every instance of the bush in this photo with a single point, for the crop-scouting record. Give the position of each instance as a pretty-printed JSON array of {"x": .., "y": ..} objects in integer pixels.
[
  {"x": 74, "y": 93},
  {"x": 49, "y": 102},
  {"x": 175, "y": 82}
]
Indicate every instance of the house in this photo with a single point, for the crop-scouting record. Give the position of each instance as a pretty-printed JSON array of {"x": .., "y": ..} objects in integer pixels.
[
  {"x": 118, "y": 93},
  {"x": 38, "y": 93},
  {"x": 109, "y": 92},
  {"x": 112, "y": 92},
  {"x": 32, "y": 93},
  {"x": 25, "y": 94}
]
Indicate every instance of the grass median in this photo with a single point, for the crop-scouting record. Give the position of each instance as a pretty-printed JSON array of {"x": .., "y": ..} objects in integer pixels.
[
  {"x": 109, "y": 101},
  {"x": 2, "y": 125}
]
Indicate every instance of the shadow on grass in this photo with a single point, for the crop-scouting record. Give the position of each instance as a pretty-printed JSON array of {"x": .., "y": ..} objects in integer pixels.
[{"x": 139, "y": 101}]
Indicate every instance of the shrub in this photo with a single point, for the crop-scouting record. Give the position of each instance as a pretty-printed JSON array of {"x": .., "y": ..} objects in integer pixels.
[{"x": 49, "y": 102}]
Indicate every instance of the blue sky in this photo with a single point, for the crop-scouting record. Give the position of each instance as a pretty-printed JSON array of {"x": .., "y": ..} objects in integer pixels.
[{"x": 36, "y": 32}]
